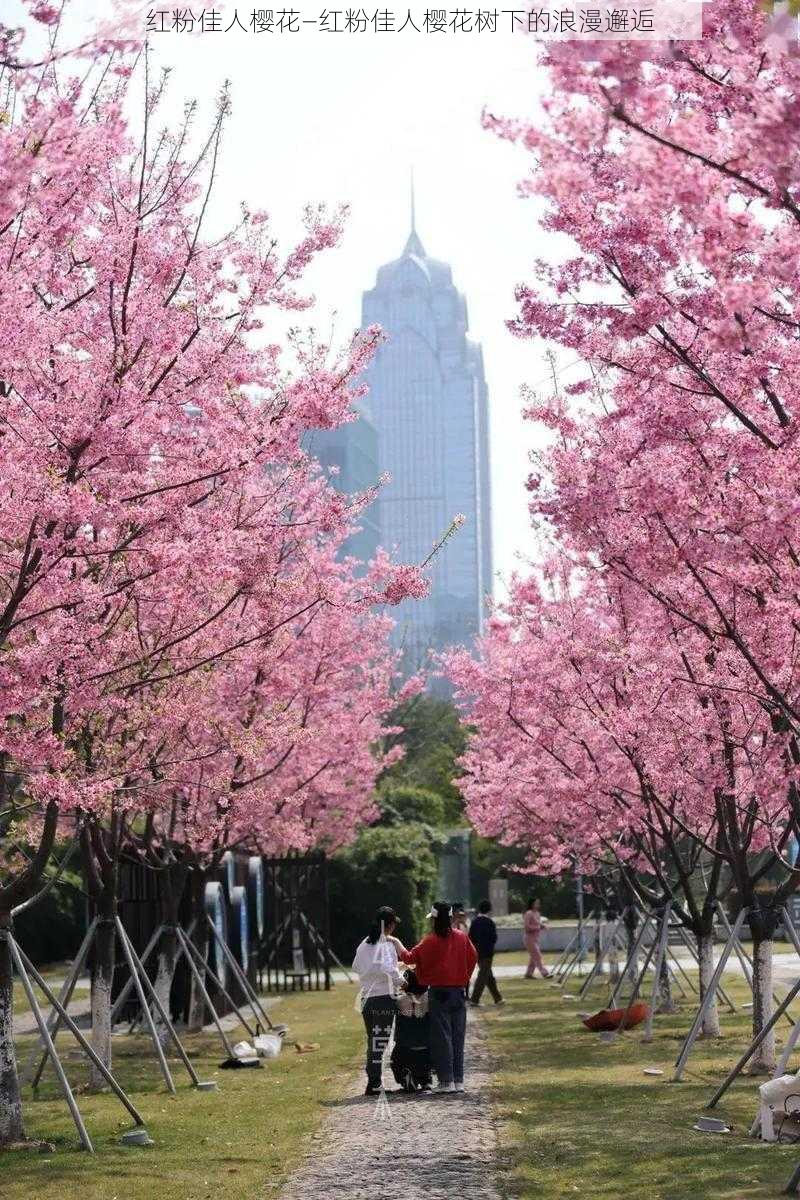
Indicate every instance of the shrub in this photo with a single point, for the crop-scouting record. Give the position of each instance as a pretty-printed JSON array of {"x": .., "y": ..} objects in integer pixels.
[
  {"x": 402, "y": 804},
  {"x": 394, "y": 865},
  {"x": 51, "y": 931}
]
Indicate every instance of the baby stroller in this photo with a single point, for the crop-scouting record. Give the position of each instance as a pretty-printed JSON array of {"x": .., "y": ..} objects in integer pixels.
[{"x": 411, "y": 1055}]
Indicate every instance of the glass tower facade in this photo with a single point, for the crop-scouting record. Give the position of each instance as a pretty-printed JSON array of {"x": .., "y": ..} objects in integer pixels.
[
  {"x": 353, "y": 450},
  {"x": 429, "y": 406}
]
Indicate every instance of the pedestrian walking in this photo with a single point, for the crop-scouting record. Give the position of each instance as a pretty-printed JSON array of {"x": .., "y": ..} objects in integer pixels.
[
  {"x": 483, "y": 935},
  {"x": 534, "y": 923}
]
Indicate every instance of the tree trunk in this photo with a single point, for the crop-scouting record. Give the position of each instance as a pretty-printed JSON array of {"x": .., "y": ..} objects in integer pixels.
[
  {"x": 102, "y": 982},
  {"x": 16, "y": 891},
  {"x": 705, "y": 952},
  {"x": 599, "y": 935},
  {"x": 100, "y": 864},
  {"x": 763, "y": 1061},
  {"x": 167, "y": 954},
  {"x": 197, "y": 1005},
  {"x": 171, "y": 884},
  {"x": 666, "y": 1001},
  {"x": 631, "y": 922},
  {"x": 613, "y": 965},
  {"x": 12, "y": 1128}
]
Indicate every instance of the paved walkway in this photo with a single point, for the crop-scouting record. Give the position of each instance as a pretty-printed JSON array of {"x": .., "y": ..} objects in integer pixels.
[
  {"x": 80, "y": 1008},
  {"x": 422, "y": 1147},
  {"x": 786, "y": 964}
]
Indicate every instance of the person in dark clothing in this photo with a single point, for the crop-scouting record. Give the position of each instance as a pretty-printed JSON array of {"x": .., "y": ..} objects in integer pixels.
[
  {"x": 411, "y": 1056},
  {"x": 483, "y": 935}
]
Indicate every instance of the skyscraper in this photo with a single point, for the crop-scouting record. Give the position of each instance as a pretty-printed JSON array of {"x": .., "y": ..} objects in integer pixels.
[
  {"x": 352, "y": 449},
  {"x": 429, "y": 405}
]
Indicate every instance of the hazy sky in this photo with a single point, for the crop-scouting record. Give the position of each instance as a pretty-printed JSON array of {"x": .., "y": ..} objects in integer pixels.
[{"x": 343, "y": 118}]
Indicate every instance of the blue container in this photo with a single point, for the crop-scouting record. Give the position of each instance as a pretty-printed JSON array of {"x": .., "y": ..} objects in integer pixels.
[
  {"x": 217, "y": 910},
  {"x": 255, "y": 895},
  {"x": 240, "y": 928}
]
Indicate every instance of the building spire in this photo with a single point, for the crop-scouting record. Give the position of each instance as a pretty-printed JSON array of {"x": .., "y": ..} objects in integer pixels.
[
  {"x": 413, "y": 245},
  {"x": 413, "y": 207}
]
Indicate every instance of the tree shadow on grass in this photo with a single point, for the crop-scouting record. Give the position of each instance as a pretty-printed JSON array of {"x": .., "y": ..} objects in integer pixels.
[{"x": 583, "y": 1118}]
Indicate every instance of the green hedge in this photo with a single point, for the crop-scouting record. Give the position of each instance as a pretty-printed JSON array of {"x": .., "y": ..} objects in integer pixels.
[
  {"x": 52, "y": 930},
  {"x": 394, "y": 865}
]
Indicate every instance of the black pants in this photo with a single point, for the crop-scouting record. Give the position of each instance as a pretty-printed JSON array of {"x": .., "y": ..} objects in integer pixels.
[
  {"x": 379, "y": 1013},
  {"x": 485, "y": 979},
  {"x": 448, "y": 1009}
]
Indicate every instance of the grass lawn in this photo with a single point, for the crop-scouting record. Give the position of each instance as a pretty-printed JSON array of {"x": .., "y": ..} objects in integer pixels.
[
  {"x": 53, "y": 974},
  {"x": 519, "y": 958},
  {"x": 579, "y": 1117},
  {"x": 235, "y": 1144}
]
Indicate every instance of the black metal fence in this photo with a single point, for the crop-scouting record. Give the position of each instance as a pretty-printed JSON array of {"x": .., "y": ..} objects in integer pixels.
[
  {"x": 295, "y": 949},
  {"x": 272, "y": 914}
]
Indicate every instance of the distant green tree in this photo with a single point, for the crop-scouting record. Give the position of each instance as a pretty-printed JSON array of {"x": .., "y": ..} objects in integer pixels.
[
  {"x": 394, "y": 865},
  {"x": 400, "y": 803},
  {"x": 433, "y": 739}
]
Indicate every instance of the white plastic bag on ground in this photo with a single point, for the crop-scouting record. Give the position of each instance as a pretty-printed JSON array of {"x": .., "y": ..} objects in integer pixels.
[{"x": 268, "y": 1045}]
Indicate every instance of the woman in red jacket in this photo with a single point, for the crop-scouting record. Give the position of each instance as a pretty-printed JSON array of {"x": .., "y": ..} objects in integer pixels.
[{"x": 445, "y": 960}]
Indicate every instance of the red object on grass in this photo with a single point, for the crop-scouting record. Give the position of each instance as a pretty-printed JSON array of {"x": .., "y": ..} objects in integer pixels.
[{"x": 611, "y": 1018}]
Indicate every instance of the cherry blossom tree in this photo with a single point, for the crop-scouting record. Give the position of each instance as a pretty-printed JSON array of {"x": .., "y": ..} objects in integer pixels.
[
  {"x": 668, "y": 478},
  {"x": 270, "y": 747},
  {"x": 290, "y": 751},
  {"x": 672, "y": 169},
  {"x": 594, "y": 746},
  {"x": 164, "y": 539}
]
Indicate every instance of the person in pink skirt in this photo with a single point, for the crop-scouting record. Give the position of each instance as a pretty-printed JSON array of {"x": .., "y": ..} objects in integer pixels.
[{"x": 534, "y": 922}]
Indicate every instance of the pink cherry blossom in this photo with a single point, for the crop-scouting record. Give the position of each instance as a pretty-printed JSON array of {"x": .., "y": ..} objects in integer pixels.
[{"x": 643, "y": 696}]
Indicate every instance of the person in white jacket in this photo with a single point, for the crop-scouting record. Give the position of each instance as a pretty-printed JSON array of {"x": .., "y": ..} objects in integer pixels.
[{"x": 377, "y": 968}]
